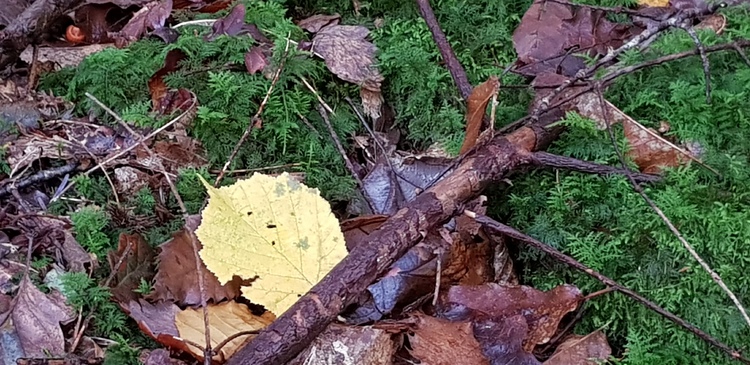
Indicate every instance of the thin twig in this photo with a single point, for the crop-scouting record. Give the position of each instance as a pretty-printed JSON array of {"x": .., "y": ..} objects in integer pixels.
[
  {"x": 714, "y": 276},
  {"x": 315, "y": 92},
  {"x": 255, "y": 117},
  {"x": 40, "y": 176},
  {"x": 704, "y": 58},
  {"x": 343, "y": 154},
  {"x": 502, "y": 229}
]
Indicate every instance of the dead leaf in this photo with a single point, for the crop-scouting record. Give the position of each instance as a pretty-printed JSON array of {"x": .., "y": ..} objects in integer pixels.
[
  {"x": 351, "y": 57},
  {"x": 549, "y": 29},
  {"x": 137, "y": 265},
  {"x": 177, "y": 281},
  {"x": 11, "y": 9},
  {"x": 233, "y": 24},
  {"x": 150, "y": 17},
  {"x": 650, "y": 151},
  {"x": 501, "y": 340},
  {"x": 160, "y": 357},
  {"x": 156, "y": 85},
  {"x": 439, "y": 342},
  {"x": 542, "y": 310},
  {"x": 714, "y": 22},
  {"x": 317, "y": 22},
  {"x": 59, "y": 241},
  {"x": 591, "y": 349},
  {"x": 255, "y": 60},
  {"x": 476, "y": 106},
  {"x": 340, "y": 344},
  {"x": 37, "y": 317},
  {"x": 168, "y": 324},
  {"x": 357, "y": 229}
]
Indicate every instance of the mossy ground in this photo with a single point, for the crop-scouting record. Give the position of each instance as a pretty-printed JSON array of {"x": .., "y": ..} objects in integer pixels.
[{"x": 600, "y": 221}]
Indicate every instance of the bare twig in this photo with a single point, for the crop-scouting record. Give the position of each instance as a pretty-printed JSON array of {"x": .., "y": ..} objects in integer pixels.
[
  {"x": 343, "y": 154},
  {"x": 40, "y": 176},
  {"x": 546, "y": 159},
  {"x": 714, "y": 276},
  {"x": 499, "y": 228},
  {"x": 704, "y": 57},
  {"x": 315, "y": 92},
  {"x": 254, "y": 118}
]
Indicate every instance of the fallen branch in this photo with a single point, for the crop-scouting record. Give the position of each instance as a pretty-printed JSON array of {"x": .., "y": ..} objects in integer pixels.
[
  {"x": 545, "y": 159},
  {"x": 299, "y": 325},
  {"x": 498, "y": 228}
]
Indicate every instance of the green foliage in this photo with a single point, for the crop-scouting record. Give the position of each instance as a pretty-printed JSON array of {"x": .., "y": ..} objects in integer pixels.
[
  {"x": 41, "y": 262},
  {"x": 122, "y": 354},
  {"x": 4, "y": 167},
  {"x": 89, "y": 225},
  {"x": 144, "y": 202},
  {"x": 84, "y": 294},
  {"x": 95, "y": 189}
]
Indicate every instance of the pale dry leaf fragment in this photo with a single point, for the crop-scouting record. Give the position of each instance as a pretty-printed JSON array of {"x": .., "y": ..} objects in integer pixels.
[
  {"x": 350, "y": 56},
  {"x": 437, "y": 341},
  {"x": 150, "y": 16},
  {"x": 272, "y": 228},
  {"x": 340, "y": 344}
]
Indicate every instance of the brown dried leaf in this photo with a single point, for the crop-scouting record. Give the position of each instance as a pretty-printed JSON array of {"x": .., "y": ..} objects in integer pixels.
[
  {"x": 650, "y": 151},
  {"x": 542, "y": 310},
  {"x": 255, "y": 60},
  {"x": 351, "y": 57},
  {"x": 476, "y": 106},
  {"x": 37, "y": 317},
  {"x": 150, "y": 16},
  {"x": 440, "y": 342},
  {"x": 177, "y": 281},
  {"x": 591, "y": 349},
  {"x": 156, "y": 85},
  {"x": 137, "y": 265},
  {"x": 317, "y": 22}
]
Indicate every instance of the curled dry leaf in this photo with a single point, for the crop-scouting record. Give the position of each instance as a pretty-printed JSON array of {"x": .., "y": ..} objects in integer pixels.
[
  {"x": 350, "y": 56},
  {"x": 36, "y": 318},
  {"x": 255, "y": 60},
  {"x": 476, "y": 105},
  {"x": 650, "y": 151}
]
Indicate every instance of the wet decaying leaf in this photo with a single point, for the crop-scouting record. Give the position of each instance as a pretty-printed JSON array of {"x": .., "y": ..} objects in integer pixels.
[
  {"x": 156, "y": 85},
  {"x": 549, "y": 29},
  {"x": 137, "y": 265},
  {"x": 176, "y": 279},
  {"x": 232, "y": 24},
  {"x": 339, "y": 344},
  {"x": 501, "y": 340},
  {"x": 168, "y": 324},
  {"x": 439, "y": 342},
  {"x": 542, "y": 310},
  {"x": 36, "y": 318},
  {"x": 591, "y": 349},
  {"x": 476, "y": 105},
  {"x": 651, "y": 152},
  {"x": 350, "y": 56}
]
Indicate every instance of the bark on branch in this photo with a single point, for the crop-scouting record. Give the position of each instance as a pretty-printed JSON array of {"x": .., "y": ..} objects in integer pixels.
[{"x": 298, "y": 326}]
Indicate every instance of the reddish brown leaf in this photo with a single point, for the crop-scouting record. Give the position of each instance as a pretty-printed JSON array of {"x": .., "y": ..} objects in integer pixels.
[
  {"x": 440, "y": 342},
  {"x": 357, "y": 229},
  {"x": 156, "y": 85},
  {"x": 476, "y": 106},
  {"x": 650, "y": 151},
  {"x": 137, "y": 265},
  {"x": 591, "y": 349},
  {"x": 255, "y": 60},
  {"x": 549, "y": 29},
  {"x": 542, "y": 310},
  {"x": 177, "y": 281},
  {"x": 317, "y": 22}
]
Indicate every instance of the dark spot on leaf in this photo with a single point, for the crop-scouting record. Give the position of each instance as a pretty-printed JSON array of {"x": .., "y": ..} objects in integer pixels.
[
  {"x": 273, "y": 243},
  {"x": 271, "y": 226},
  {"x": 299, "y": 295},
  {"x": 249, "y": 213}
]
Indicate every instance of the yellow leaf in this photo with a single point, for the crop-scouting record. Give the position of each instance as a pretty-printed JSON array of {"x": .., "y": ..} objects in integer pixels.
[
  {"x": 654, "y": 3},
  {"x": 274, "y": 228}
]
